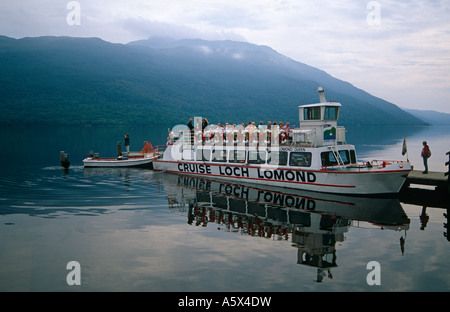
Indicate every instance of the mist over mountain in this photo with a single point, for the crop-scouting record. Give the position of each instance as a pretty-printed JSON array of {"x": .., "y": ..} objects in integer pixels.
[
  {"x": 432, "y": 117},
  {"x": 160, "y": 81}
]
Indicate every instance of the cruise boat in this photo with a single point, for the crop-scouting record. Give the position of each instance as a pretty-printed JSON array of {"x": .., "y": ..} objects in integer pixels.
[{"x": 313, "y": 157}]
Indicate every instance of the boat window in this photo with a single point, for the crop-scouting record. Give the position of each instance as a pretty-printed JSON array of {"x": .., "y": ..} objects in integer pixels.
[
  {"x": 236, "y": 156},
  {"x": 331, "y": 113},
  {"x": 311, "y": 113},
  {"x": 219, "y": 155},
  {"x": 203, "y": 154},
  {"x": 345, "y": 157},
  {"x": 352, "y": 156},
  {"x": 328, "y": 159},
  {"x": 256, "y": 157},
  {"x": 277, "y": 158},
  {"x": 301, "y": 159}
]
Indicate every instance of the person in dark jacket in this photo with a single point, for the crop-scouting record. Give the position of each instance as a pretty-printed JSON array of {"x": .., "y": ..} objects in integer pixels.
[
  {"x": 426, "y": 153},
  {"x": 127, "y": 142}
]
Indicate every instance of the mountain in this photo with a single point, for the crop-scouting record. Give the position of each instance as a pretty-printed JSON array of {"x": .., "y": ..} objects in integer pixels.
[
  {"x": 430, "y": 117},
  {"x": 160, "y": 81}
]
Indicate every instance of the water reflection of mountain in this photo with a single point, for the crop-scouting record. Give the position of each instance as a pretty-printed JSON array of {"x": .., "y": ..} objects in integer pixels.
[{"x": 313, "y": 222}]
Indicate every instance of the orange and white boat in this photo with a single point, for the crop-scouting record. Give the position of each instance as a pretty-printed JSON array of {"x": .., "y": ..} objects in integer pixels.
[{"x": 142, "y": 159}]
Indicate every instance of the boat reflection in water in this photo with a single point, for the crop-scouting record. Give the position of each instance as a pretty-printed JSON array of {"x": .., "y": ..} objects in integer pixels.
[{"x": 314, "y": 222}]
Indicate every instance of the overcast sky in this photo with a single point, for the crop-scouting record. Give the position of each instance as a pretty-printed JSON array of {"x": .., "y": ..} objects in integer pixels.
[{"x": 394, "y": 49}]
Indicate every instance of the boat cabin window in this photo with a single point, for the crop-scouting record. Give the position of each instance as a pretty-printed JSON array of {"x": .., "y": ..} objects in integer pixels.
[
  {"x": 352, "y": 156},
  {"x": 236, "y": 156},
  {"x": 345, "y": 157},
  {"x": 256, "y": 157},
  {"x": 277, "y": 158},
  {"x": 348, "y": 157},
  {"x": 300, "y": 159},
  {"x": 203, "y": 154},
  {"x": 331, "y": 112},
  {"x": 329, "y": 159},
  {"x": 219, "y": 155},
  {"x": 311, "y": 113}
]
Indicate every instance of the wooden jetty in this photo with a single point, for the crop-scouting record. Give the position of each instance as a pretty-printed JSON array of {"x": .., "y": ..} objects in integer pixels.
[
  {"x": 414, "y": 193},
  {"x": 432, "y": 178},
  {"x": 440, "y": 180}
]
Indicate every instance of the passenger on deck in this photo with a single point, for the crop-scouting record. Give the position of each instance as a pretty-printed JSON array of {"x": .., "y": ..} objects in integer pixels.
[
  {"x": 261, "y": 126},
  {"x": 190, "y": 124},
  {"x": 127, "y": 142},
  {"x": 287, "y": 130},
  {"x": 204, "y": 123}
]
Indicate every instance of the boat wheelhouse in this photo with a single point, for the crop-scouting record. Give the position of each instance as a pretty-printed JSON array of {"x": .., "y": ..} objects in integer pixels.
[{"x": 313, "y": 157}]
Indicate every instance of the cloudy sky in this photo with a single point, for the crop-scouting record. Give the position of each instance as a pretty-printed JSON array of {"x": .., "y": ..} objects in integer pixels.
[{"x": 394, "y": 49}]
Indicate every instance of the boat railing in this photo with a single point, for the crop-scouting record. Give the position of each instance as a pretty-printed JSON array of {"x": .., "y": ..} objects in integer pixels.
[
  {"x": 362, "y": 166},
  {"x": 160, "y": 148},
  {"x": 386, "y": 162},
  {"x": 297, "y": 137}
]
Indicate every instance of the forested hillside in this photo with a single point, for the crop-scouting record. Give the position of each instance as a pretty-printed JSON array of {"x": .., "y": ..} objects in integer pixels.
[{"x": 87, "y": 81}]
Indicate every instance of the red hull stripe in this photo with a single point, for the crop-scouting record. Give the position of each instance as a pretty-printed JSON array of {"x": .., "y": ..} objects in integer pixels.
[
  {"x": 218, "y": 175},
  {"x": 289, "y": 168}
]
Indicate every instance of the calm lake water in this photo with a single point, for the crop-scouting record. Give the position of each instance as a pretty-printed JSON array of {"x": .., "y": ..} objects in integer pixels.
[{"x": 138, "y": 230}]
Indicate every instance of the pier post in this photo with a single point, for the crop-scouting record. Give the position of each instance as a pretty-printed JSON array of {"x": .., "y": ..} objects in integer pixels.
[
  {"x": 64, "y": 159},
  {"x": 447, "y": 174},
  {"x": 119, "y": 149},
  {"x": 447, "y": 225}
]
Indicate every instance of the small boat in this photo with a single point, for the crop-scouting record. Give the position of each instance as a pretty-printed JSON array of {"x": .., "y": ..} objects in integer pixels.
[
  {"x": 313, "y": 157},
  {"x": 143, "y": 158}
]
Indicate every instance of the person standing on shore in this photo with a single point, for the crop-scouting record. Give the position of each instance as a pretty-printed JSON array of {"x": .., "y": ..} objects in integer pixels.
[{"x": 426, "y": 153}]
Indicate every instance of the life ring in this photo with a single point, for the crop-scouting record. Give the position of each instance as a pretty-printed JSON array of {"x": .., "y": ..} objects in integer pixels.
[
  {"x": 208, "y": 136},
  {"x": 255, "y": 136},
  {"x": 267, "y": 136},
  {"x": 245, "y": 135},
  {"x": 228, "y": 136},
  {"x": 217, "y": 136},
  {"x": 199, "y": 136},
  {"x": 282, "y": 136},
  {"x": 235, "y": 134}
]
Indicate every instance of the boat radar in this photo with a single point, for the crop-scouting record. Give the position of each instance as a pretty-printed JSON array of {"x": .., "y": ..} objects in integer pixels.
[{"x": 321, "y": 94}]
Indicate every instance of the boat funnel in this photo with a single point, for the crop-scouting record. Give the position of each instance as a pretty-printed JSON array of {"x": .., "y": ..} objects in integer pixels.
[{"x": 321, "y": 95}]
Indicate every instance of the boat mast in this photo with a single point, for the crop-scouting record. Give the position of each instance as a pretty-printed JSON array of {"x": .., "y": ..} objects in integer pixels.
[{"x": 322, "y": 98}]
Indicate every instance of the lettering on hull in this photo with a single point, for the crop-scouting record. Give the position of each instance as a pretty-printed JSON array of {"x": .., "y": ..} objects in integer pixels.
[
  {"x": 245, "y": 193},
  {"x": 248, "y": 172}
]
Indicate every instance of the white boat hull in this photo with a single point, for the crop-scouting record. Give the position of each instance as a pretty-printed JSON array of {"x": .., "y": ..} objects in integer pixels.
[
  {"x": 387, "y": 180},
  {"x": 314, "y": 157}
]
